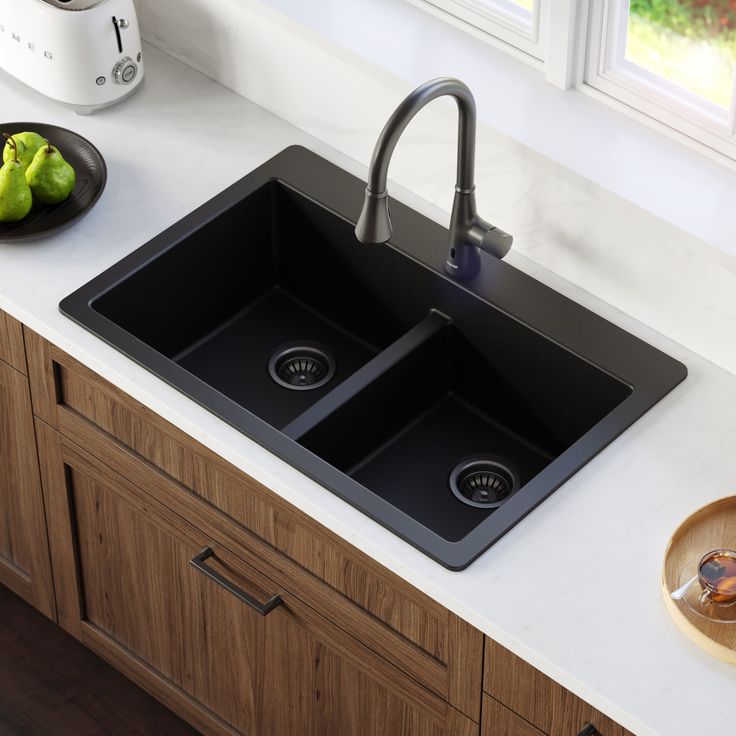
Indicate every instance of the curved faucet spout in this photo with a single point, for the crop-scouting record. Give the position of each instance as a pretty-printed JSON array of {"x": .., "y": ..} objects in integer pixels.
[
  {"x": 405, "y": 113},
  {"x": 468, "y": 232}
]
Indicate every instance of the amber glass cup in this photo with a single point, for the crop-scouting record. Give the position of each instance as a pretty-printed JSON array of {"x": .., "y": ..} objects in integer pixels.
[{"x": 717, "y": 578}]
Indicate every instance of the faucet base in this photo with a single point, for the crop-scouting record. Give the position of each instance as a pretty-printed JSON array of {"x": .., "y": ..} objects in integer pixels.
[
  {"x": 469, "y": 235},
  {"x": 463, "y": 262}
]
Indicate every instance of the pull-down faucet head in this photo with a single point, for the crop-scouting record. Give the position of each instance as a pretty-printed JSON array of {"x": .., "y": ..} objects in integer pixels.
[
  {"x": 374, "y": 225},
  {"x": 468, "y": 232}
]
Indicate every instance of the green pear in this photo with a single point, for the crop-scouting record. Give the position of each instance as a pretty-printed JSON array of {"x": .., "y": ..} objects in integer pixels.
[
  {"x": 15, "y": 194},
  {"x": 28, "y": 144},
  {"x": 49, "y": 176}
]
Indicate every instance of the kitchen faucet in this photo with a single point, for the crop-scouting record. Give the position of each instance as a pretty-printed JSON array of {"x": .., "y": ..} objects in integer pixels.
[{"x": 469, "y": 233}]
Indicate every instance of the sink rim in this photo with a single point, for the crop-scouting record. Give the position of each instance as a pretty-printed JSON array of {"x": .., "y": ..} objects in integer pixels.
[{"x": 647, "y": 371}]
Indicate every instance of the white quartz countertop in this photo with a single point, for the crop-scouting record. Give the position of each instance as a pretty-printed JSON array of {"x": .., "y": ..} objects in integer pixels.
[{"x": 573, "y": 588}]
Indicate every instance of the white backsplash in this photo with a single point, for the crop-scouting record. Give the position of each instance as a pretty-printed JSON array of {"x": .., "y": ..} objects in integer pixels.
[{"x": 680, "y": 286}]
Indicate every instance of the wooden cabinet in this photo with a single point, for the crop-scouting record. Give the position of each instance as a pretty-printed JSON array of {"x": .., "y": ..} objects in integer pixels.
[
  {"x": 500, "y": 721},
  {"x": 12, "y": 349},
  {"x": 537, "y": 699},
  {"x": 131, "y": 593},
  {"x": 24, "y": 558},
  {"x": 405, "y": 626},
  {"x": 351, "y": 649}
]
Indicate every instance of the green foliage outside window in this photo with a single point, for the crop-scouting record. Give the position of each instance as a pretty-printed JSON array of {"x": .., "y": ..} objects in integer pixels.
[
  {"x": 689, "y": 42},
  {"x": 699, "y": 19}
]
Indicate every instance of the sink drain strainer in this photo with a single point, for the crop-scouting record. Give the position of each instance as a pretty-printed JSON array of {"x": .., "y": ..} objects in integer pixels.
[
  {"x": 301, "y": 367},
  {"x": 484, "y": 482}
]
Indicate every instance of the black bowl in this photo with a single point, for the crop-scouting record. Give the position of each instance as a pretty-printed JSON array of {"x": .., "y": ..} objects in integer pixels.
[{"x": 91, "y": 179}]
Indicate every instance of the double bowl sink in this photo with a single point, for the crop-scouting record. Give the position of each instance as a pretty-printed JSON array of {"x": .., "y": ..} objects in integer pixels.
[{"x": 445, "y": 411}]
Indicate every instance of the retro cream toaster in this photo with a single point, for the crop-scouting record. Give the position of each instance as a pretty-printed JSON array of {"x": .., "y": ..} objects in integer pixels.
[{"x": 83, "y": 53}]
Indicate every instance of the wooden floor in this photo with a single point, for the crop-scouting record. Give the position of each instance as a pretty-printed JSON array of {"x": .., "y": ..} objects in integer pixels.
[{"x": 50, "y": 685}]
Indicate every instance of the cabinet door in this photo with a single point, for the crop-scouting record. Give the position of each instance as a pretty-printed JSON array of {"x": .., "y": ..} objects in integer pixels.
[
  {"x": 128, "y": 589},
  {"x": 500, "y": 721},
  {"x": 538, "y": 699},
  {"x": 12, "y": 347},
  {"x": 24, "y": 555}
]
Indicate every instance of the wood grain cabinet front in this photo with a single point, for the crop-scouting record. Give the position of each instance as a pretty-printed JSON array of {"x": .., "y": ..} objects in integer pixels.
[
  {"x": 405, "y": 626},
  {"x": 351, "y": 649},
  {"x": 12, "y": 349},
  {"x": 500, "y": 721},
  {"x": 24, "y": 556},
  {"x": 543, "y": 705},
  {"x": 198, "y": 636}
]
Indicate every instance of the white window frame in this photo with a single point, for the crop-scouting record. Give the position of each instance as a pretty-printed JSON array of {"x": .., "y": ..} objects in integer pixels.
[
  {"x": 605, "y": 69},
  {"x": 504, "y": 20},
  {"x": 581, "y": 44}
]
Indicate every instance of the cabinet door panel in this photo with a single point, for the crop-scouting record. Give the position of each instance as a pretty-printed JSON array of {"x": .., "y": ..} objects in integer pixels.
[
  {"x": 140, "y": 590},
  {"x": 500, "y": 721},
  {"x": 200, "y": 648},
  {"x": 24, "y": 559},
  {"x": 539, "y": 699},
  {"x": 12, "y": 349}
]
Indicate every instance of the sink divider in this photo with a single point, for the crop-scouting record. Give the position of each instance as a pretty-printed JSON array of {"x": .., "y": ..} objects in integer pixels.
[{"x": 386, "y": 360}]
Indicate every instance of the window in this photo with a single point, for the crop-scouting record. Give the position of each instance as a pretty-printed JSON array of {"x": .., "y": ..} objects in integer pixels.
[
  {"x": 517, "y": 23},
  {"x": 670, "y": 60}
]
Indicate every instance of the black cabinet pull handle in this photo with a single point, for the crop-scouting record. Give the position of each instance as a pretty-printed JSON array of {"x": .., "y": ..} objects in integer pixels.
[
  {"x": 589, "y": 730},
  {"x": 198, "y": 561}
]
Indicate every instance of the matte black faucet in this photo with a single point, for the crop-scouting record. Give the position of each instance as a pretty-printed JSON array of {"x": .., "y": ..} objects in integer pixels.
[{"x": 469, "y": 233}]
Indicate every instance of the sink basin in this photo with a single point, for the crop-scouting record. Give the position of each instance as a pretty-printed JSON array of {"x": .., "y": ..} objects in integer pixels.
[
  {"x": 257, "y": 280},
  {"x": 446, "y": 404},
  {"x": 444, "y": 411}
]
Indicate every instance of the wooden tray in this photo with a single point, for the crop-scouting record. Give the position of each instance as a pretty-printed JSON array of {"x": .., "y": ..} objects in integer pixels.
[{"x": 711, "y": 527}]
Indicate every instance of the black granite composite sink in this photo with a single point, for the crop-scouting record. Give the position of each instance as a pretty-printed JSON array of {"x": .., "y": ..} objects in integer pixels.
[{"x": 444, "y": 411}]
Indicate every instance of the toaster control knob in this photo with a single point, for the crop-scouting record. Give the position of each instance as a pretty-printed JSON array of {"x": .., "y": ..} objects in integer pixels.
[{"x": 125, "y": 71}]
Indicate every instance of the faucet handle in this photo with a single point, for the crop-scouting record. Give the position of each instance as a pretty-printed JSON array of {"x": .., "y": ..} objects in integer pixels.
[
  {"x": 496, "y": 242},
  {"x": 485, "y": 236},
  {"x": 374, "y": 224}
]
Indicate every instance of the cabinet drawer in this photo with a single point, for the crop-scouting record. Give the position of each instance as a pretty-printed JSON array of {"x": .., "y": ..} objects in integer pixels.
[
  {"x": 198, "y": 635},
  {"x": 538, "y": 699},
  {"x": 500, "y": 721},
  {"x": 394, "y": 619},
  {"x": 12, "y": 350}
]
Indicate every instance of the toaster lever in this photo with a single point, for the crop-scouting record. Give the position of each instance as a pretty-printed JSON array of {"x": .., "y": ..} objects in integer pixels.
[{"x": 118, "y": 25}]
